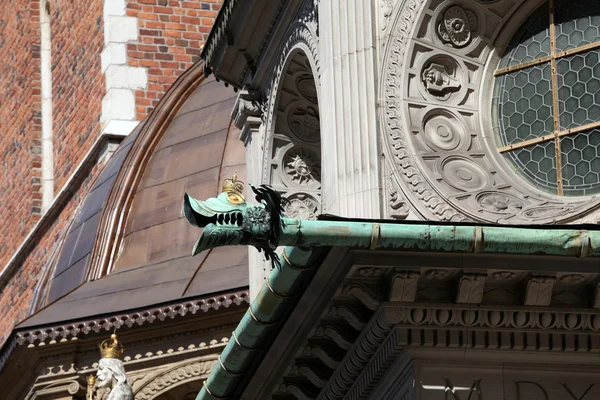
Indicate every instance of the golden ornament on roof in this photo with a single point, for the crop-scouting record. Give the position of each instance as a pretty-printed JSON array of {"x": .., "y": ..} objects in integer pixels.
[
  {"x": 111, "y": 348},
  {"x": 234, "y": 189}
]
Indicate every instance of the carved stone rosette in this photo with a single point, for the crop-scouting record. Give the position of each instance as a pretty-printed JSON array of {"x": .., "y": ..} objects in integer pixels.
[{"x": 438, "y": 62}]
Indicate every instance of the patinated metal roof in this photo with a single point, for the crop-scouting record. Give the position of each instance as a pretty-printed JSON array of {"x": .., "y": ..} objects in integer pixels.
[{"x": 199, "y": 149}]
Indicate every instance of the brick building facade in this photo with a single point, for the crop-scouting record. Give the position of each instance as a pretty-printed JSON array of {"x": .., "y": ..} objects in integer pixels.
[{"x": 109, "y": 64}]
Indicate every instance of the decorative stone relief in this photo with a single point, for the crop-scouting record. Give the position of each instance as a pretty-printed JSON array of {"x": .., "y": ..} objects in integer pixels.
[
  {"x": 404, "y": 286},
  {"x": 470, "y": 288},
  {"x": 463, "y": 173},
  {"x": 504, "y": 275},
  {"x": 302, "y": 206},
  {"x": 306, "y": 87},
  {"x": 302, "y": 166},
  {"x": 443, "y": 131},
  {"x": 440, "y": 77},
  {"x": 292, "y": 162},
  {"x": 387, "y": 6},
  {"x": 183, "y": 372},
  {"x": 457, "y": 26},
  {"x": 304, "y": 122},
  {"x": 436, "y": 116},
  {"x": 499, "y": 202},
  {"x": 539, "y": 291},
  {"x": 572, "y": 279},
  {"x": 398, "y": 204},
  {"x": 437, "y": 274}
]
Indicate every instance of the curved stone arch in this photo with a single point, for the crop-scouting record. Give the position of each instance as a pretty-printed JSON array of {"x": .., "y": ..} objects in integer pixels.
[
  {"x": 417, "y": 166},
  {"x": 166, "y": 380},
  {"x": 292, "y": 140}
]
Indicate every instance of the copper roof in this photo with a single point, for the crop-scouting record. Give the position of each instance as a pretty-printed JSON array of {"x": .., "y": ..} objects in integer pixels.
[{"x": 198, "y": 149}]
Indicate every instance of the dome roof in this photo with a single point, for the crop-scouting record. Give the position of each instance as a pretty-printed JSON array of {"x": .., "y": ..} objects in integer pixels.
[{"x": 193, "y": 147}]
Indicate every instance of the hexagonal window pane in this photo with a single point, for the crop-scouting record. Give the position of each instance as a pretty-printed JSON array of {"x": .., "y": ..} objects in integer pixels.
[
  {"x": 531, "y": 42},
  {"x": 580, "y": 157},
  {"x": 529, "y": 113},
  {"x": 576, "y": 96},
  {"x": 536, "y": 164},
  {"x": 575, "y": 22}
]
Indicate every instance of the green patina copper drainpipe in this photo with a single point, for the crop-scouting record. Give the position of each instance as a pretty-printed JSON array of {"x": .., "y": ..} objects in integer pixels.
[{"x": 229, "y": 220}]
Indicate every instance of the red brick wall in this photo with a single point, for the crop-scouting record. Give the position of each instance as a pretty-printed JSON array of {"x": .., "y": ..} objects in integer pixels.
[
  {"x": 77, "y": 91},
  {"x": 16, "y": 296},
  {"x": 78, "y": 84},
  {"x": 20, "y": 122},
  {"x": 170, "y": 35}
]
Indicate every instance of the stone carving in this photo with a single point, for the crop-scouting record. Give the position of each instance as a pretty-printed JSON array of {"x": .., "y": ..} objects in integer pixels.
[
  {"x": 572, "y": 279},
  {"x": 404, "y": 286},
  {"x": 457, "y": 26},
  {"x": 440, "y": 77},
  {"x": 539, "y": 291},
  {"x": 499, "y": 202},
  {"x": 306, "y": 87},
  {"x": 304, "y": 122},
  {"x": 247, "y": 113},
  {"x": 399, "y": 143},
  {"x": 301, "y": 206},
  {"x": 111, "y": 379},
  {"x": 464, "y": 174},
  {"x": 387, "y": 6},
  {"x": 437, "y": 274},
  {"x": 398, "y": 204},
  {"x": 544, "y": 212},
  {"x": 370, "y": 271},
  {"x": 362, "y": 293},
  {"x": 444, "y": 132},
  {"x": 416, "y": 170},
  {"x": 504, "y": 275},
  {"x": 470, "y": 288},
  {"x": 302, "y": 166},
  {"x": 171, "y": 377}
]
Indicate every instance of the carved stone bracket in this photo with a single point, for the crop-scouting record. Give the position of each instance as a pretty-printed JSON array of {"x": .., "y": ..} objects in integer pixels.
[
  {"x": 404, "y": 286},
  {"x": 539, "y": 291},
  {"x": 247, "y": 113},
  {"x": 470, "y": 288}
]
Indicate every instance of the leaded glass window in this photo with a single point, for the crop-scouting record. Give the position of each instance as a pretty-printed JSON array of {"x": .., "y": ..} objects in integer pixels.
[{"x": 547, "y": 98}]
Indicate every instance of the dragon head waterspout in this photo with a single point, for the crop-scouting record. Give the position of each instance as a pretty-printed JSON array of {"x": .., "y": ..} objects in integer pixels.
[{"x": 229, "y": 220}]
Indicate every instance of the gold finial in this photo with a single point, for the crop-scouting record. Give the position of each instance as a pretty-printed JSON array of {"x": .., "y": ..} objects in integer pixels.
[
  {"x": 234, "y": 189},
  {"x": 111, "y": 348},
  {"x": 90, "y": 389}
]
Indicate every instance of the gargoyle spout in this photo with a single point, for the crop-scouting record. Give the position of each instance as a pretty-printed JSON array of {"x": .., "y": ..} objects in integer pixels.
[{"x": 228, "y": 220}]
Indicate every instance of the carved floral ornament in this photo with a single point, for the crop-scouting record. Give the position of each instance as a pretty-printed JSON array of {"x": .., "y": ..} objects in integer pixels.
[
  {"x": 457, "y": 26},
  {"x": 436, "y": 127}
]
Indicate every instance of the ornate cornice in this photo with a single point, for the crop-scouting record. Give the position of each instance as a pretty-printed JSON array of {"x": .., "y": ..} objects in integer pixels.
[
  {"x": 217, "y": 33},
  {"x": 129, "y": 319},
  {"x": 77, "y": 329}
]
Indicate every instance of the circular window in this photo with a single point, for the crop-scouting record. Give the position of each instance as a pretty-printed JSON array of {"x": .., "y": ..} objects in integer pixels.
[{"x": 547, "y": 99}]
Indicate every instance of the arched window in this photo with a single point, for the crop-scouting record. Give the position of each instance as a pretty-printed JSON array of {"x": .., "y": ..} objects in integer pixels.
[{"x": 546, "y": 107}]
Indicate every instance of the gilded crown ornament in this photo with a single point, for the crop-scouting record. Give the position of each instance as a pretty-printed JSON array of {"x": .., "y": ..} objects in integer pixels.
[
  {"x": 111, "y": 348},
  {"x": 234, "y": 188}
]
